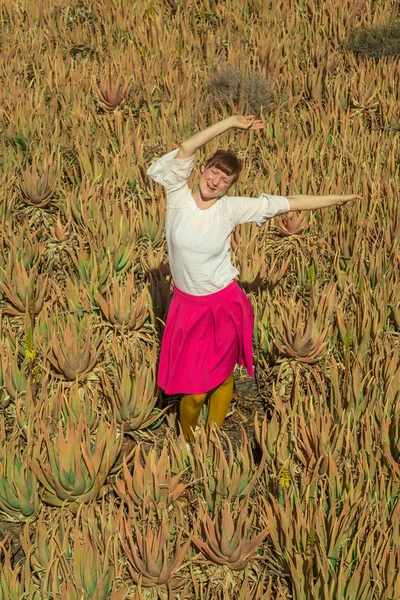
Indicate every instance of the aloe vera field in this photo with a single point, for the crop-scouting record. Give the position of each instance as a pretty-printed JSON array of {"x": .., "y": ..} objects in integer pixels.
[{"x": 297, "y": 496}]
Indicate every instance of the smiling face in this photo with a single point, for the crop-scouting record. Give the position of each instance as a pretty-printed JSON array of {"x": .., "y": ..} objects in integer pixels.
[{"x": 214, "y": 183}]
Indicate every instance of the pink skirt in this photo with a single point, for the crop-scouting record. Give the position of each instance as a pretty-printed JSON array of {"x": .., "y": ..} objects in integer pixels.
[{"x": 204, "y": 338}]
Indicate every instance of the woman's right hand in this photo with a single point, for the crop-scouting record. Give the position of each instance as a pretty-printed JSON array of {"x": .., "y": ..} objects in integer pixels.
[{"x": 245, "y": 122}]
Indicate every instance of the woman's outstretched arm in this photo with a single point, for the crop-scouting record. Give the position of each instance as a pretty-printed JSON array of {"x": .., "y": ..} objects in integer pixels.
[
  {"x": 189, "y": 146},
  {"x": 304, "y": 202}
]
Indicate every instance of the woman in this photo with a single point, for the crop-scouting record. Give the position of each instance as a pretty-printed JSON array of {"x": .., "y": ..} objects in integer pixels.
[{"x": 210, "y": 320}]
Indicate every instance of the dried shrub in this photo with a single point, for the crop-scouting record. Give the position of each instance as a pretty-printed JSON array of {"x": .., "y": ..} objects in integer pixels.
[
  {"x": 228, "y": 85},
  {"x": 375, "y": 42}
]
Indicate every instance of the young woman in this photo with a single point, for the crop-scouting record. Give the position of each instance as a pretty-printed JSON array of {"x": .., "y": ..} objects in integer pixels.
[{"x": 210, "y": 320}]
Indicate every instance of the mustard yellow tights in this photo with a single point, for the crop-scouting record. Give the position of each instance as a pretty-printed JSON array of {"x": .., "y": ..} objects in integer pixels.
[{"x": 191, "y": 405}]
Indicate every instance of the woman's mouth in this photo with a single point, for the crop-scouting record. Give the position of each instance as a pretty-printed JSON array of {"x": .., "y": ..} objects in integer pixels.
[{"x": 211, "y": 188}]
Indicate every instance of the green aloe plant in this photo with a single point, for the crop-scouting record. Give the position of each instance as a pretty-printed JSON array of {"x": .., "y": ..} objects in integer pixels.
[
  {"x": 19, "y": 488},
  {"x": 73, "y": 467},
  {"x": 90, "y": 568},
  {"x": 16, "y": 582}
]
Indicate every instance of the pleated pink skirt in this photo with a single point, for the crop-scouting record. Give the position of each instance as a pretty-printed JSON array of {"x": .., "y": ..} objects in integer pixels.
[{"x": 204, "y": 338}]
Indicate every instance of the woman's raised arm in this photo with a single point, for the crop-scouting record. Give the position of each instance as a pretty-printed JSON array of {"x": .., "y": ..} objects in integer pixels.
[
  {"x": 304, "y": 202},
  {"x": 189, "y": 146}
]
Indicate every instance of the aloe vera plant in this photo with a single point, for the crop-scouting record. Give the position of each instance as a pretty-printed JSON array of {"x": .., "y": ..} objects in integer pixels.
[
  {"x": 15, "y": 376},
  {"x": 23, "y": 289},
  {"x": 41, "y": 539},
  {"x": 292, "y": 224},
  {"x": 112, "y": 94},
  {"x": 130, "y": 388},
  {"x": 19, "y": 489},
  {"x": 91, "y": 569},
  {"x": 154, "y": 479},
  {"x": 73, "y": 467},
  {"x": 125, "y": 308},
  {"x": 74, "y": 348},
  {"x": 60, "y": 232},
  {"x": 37, "y": 188},
  {"x": 15, "y": 582},
  {"x": 24, "y": 249},
  {"x": 226, "y": 535},
  {"x": 222, "y": 477},
  {"x": 87, "y": 267},
  {"x": 311, "y": 333},
  {"x": 152, "y": 559}
]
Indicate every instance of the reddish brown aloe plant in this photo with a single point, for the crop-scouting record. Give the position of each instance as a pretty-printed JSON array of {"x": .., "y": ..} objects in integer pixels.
[
  {"x": 74, "y": 350},
  {"x": 130, "y": 388},
  {"x": 59, "y": 231},
  {"x": 23, "y": 290},
  {"x": 291, "y": 224},
  {"x": 305, "y": 338},
  {"x": 152, "y": 558},
  {"x": 226, "y": 536},
  {"x": 154, "y": 479},
  {"x": 37, "y": 188},
  {"x": 112, "y": 94},
  {"x": 124, "y": 308}
]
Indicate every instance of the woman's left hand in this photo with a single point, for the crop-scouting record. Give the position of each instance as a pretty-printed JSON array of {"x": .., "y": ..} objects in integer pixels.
[
  {"x": 246, "y": 122},
  {"x": 346, "y": 198}
]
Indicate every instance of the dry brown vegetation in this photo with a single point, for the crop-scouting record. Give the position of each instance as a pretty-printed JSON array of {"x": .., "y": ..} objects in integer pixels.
[{"x": 97, "y": 498}]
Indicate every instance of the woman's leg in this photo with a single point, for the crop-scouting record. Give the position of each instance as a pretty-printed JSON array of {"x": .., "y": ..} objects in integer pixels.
[
  {"x": 189, "y": 411},
  {"x": 220, "y": 402}
]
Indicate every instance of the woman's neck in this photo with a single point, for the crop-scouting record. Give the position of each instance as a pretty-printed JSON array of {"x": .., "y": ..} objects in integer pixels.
[{"x": 201, "y": 203}]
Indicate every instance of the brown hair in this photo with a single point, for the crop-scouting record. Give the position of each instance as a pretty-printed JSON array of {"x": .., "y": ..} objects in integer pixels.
[{"x": 225, "y": 161}]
